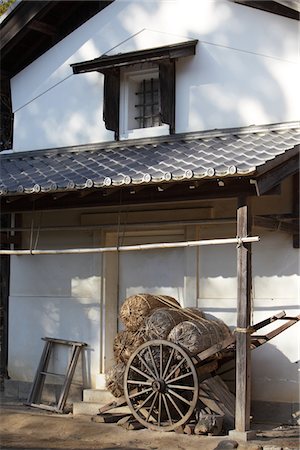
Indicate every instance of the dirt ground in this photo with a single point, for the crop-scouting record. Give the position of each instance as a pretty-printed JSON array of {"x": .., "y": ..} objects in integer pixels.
[{"x": 23, "y": 427}]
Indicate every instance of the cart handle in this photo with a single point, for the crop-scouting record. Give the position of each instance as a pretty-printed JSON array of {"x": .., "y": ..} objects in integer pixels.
[
  {"x": 290, "y": 321},
  {"x": 265, "y": 322}
]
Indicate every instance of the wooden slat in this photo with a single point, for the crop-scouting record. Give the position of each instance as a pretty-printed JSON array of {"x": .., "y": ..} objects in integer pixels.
[
  {"x": 216, "y": 348},
  {"x": 109, "y": 417},
  {"x": 274, "y": 224},
  {"x": 64, "y": 342},
  {"x": 121, "y": 401},
  {"x": 215, "y": 394}
]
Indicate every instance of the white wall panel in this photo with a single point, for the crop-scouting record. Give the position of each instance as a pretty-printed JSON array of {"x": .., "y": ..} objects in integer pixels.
[
  {"x": 155, "y": 271},
  {"x": 32, "y": 318},
  {"x": 275, "y": 288},
  {"x": 276, "y": 269},
  {"x": 55, "y": 296},
  {"x": 56, "y": 275},
  {"x": 244, "y": 72}
]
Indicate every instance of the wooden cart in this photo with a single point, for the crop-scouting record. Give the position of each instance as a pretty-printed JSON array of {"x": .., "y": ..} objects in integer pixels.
[{"x": 161, "y": 382}]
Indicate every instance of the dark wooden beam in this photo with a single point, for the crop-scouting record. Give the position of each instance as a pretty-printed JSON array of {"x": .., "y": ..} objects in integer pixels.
[
  {"x": 144, "y": 194},
  {"x": 11, "y": 29},
  {"x": 285, "y": 9},
  {"x": 7, "y": 239},
  {"x": 43, "y": 27},
  {"x": 275, "y": 176},
  {"x": 278, "y": 161},
  {"x": 243, "y": 358},
  {"x": 271, "y": 223}
]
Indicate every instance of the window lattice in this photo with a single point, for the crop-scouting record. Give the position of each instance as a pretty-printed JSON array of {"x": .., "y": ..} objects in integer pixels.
[{"x": 148, "y": 104}]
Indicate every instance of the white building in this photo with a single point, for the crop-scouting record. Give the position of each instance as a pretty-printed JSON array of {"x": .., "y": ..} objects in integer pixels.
[{"x": 90, "y": 168}]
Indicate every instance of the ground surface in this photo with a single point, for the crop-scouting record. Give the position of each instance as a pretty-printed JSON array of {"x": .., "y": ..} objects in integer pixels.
[{"x": 22, "y": 427}]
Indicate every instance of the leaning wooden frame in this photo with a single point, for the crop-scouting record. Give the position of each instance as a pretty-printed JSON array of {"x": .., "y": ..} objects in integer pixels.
[{"x": 162, "y": 380}]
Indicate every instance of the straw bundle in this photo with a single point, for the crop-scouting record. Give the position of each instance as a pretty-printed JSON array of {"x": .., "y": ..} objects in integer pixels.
[
  {"x": 137, "y": 307},
  {"x": 194, "y": 313},
  {"x": 197, "y": 335},
  {"x": 125, "y": 343},
  {"x": 115, "y": 379},
  {"x": 225, "y": 329},
  {"x": 159, "y": 324}
]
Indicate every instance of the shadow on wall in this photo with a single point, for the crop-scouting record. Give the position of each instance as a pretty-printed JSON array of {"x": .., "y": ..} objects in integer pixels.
[{"x": 275, "y": 377}]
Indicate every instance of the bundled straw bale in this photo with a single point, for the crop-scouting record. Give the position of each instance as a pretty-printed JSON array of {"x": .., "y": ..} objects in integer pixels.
[
  {"x": 194, "y": 313},
  {"x": 126, "y": 342},
  {"x": 225, "y": 329},
  {"x": 197, "y": 335},
  {"x": 115, "y": 379},
  {"x": 137, "y": 307},
  {"x": 159, "y": 324}
]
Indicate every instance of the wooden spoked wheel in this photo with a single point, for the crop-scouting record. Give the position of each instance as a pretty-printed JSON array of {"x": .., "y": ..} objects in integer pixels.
[{"x": 161, "y": 385}]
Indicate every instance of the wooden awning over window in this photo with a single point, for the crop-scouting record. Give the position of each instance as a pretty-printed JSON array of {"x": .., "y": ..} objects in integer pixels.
[{"x": 154, "y": 55}]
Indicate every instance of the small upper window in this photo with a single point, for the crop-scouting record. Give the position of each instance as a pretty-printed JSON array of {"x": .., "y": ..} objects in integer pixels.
[
  {"x": 140, "y": 103},
  {"x": 139, "y": 89}
]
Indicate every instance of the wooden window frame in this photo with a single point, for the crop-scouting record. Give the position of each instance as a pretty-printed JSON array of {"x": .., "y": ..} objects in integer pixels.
[{"x": 111, "y": 66}]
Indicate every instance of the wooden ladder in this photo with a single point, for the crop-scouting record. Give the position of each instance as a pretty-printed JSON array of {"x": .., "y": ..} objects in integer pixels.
[{"x": 35, "y": 395}]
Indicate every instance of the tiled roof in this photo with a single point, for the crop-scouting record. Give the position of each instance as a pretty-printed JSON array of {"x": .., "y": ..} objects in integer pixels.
[{"x": 217, "y": 153}]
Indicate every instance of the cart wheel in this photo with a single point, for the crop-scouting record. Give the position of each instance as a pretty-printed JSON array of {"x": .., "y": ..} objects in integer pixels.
[{"x": 161, "y": 385}]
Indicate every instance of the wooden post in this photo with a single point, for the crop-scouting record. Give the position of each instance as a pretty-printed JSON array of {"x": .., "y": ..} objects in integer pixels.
[
  {"x": 243, "y": 361},
  {"x": 296, "y": 237}
]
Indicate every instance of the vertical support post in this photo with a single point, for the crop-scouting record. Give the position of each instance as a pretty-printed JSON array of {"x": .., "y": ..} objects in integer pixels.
[
  {"x": 243, "y": 357},
  {"x": 190, "y": 267},
  {"x": 4, "y": 302},
  {"x": 111, "y": 300},
  {"x": 296, "y": 186}
]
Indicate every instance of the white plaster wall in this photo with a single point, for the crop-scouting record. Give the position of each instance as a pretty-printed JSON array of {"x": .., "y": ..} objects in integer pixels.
[
  {"x": 244, "y": 72},
  {"x": 55, "y": 296},
  {"x": 275, "y": 288},
  {"x": 149, "y": 271},
  {"x": 276, "y": 284}
]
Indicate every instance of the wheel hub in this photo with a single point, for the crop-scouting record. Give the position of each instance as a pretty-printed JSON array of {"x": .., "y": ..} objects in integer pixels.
[{"x": 159, "y": 386}]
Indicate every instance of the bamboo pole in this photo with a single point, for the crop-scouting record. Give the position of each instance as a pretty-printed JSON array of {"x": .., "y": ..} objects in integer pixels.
[{"x": 128, "y": 248}]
